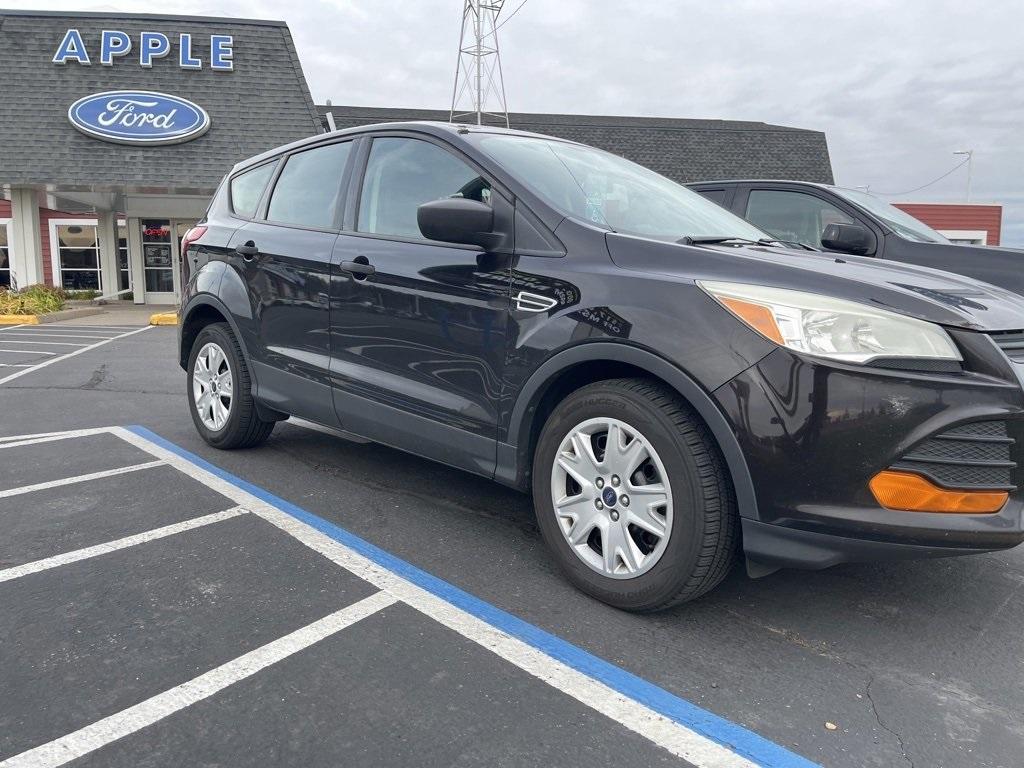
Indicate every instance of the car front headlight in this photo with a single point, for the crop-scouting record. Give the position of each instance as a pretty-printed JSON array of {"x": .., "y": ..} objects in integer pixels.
[{"x": 829, "y": 327}]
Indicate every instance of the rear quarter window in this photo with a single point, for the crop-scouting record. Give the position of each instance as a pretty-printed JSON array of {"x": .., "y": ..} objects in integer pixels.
[{"x": 247, "y": 188}]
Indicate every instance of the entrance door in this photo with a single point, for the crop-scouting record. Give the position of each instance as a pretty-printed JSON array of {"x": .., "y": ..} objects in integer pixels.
[{"x": 161, "y": 258}]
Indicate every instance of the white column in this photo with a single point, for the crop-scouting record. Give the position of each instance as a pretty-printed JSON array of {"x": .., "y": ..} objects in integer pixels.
[
  {"x": 106, "y": 234},
  {"x": 135, "y": 260},
  {"x": 26, "y": 243}
]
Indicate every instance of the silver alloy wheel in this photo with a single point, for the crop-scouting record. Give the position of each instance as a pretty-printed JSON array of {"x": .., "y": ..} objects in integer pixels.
[
  {"x": 212, "y": 386},
  {"x": 612, "y": 498}
]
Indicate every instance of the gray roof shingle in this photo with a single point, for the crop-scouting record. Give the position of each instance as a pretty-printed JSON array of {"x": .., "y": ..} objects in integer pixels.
[
  {"x": 682, "y": 149},
  {"x": 262, "y": 103}
]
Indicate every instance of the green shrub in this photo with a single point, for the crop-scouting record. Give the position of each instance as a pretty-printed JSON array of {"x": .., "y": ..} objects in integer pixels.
[{"x": 32, "y": 300}]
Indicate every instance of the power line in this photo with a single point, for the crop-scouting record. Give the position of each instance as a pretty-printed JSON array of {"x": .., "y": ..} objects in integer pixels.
[
  {"x": 509, "y": 17},
  {"x": 924, "y": 186}
]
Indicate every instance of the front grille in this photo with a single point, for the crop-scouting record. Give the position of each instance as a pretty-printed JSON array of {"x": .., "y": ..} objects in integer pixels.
[
  {"x": 1012, "y": 343},
  {"x": 971, "y": 456}
]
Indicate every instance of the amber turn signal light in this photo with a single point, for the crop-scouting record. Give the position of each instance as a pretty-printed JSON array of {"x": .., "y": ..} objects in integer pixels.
[
  {"x": 757, "y": 316},
  {"x": 912, "y": 493}
]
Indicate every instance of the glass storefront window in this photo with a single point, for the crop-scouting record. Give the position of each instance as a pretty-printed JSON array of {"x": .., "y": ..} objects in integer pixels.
[
  {"x": 157, "y": 259},
  {"x": 5, "y": 258},
  {"x": 124, "y": 277},
  {"x": 78, "y": 250}
]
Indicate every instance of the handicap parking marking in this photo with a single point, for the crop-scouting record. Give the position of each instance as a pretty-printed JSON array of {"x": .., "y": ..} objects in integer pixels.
[
  {"x": 8, "y": 492},
  {"x": 683, "y": 729},
  {"x": 678, "y": 726},
  {"x": 126, "y": 722},
  {"x": 66, "y": 558},
  {"x": 6, "y": 341}
]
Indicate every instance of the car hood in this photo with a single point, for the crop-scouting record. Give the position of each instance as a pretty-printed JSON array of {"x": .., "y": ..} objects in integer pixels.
[{"x": 921, "y": 292}]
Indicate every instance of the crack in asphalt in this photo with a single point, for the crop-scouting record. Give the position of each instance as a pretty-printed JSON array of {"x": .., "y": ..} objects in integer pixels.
[
  {"x": 883, "y": 726},
  {"x": 796, "y": 639}
]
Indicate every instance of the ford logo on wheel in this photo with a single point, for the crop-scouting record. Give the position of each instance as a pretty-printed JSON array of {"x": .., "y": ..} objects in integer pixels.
[{"x": 139, "y": 117}]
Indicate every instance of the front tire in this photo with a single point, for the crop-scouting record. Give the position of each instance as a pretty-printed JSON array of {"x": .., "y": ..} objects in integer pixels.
[
  {"x": 632, "y": 496},
  {"x": 220, "y": 391}
]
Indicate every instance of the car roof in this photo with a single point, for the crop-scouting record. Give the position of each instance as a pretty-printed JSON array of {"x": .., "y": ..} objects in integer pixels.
[{"x": 435, "y": 128}]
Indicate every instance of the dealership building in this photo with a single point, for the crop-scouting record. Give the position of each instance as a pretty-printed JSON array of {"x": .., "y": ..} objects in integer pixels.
[{"x": 115, "y": 129}]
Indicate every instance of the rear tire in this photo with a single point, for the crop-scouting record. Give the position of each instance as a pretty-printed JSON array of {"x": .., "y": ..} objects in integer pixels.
[
  {"x": 220, "y": 391},
  {"x": 672, "y": 551}
]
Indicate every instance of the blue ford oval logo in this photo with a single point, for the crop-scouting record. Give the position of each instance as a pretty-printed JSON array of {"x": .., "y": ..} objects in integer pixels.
[
  {"x": 609, "y": 497},
  {"x": 139, "y": 117}
]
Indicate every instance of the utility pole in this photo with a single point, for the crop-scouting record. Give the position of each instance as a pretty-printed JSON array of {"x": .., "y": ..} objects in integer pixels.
[
  {"x": 970, "y": 168},
  {"x": 479, "y": 89}
]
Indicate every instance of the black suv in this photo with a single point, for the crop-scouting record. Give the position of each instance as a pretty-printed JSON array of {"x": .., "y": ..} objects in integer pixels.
[
  {"x": 672, "y": 384},
  {"x": 841, "y": 220}
]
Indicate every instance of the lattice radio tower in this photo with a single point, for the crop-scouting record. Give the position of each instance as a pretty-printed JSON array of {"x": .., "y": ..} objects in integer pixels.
[{"x": 479, "y": 90}]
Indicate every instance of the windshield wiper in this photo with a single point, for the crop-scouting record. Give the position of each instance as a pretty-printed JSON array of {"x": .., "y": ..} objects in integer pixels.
[
  {"x": 723, "y": 239},
  {"x": 713, "y": 240}
]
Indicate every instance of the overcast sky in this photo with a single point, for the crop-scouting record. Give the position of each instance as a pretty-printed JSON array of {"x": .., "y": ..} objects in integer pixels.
[{"x": 897, "y": 86}]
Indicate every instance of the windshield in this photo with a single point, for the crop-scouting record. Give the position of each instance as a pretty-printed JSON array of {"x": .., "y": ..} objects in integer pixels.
[
  {"x": 600, "y": 187},
  {"x": 902, "y": 223}
]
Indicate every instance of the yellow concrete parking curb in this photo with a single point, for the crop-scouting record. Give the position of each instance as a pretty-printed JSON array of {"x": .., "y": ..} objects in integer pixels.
[
  {"x": 19, "y": 320},
  {"x": 164, "y": 318}
]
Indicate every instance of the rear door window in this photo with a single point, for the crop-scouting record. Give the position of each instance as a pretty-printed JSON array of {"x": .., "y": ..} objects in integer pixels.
[
  {"x": 793, "y": 216},
  {"x": 308, "y": 191},
  {"x": 246, "y": 189},
  {"x": 402, "y": 174}
]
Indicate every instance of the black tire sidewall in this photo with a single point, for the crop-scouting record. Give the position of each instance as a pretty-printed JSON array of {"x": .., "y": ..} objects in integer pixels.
[
  {"x": 653, "y": 588},
  {"x": 222, "y": 338}
]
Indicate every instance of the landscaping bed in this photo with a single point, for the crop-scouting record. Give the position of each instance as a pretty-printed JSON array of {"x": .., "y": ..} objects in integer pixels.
[{"x": 39, "y": 304}]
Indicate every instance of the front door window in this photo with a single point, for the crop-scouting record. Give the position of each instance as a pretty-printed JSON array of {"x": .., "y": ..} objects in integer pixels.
[
  {"x": 402, "y": 174},
  {"x": 157, "y": 255},
  {"x": 793, "y": 216}
]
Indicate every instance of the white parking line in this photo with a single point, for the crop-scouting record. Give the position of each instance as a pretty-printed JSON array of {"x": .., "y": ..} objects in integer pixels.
[
  {"x": 57, "y": 359},
  {"x": 49, "y": 437},
  {"x": 67, "y": 558},
  {"x": 143, "y": 714},
  {"x": 77, "y": 479},
  {"x": 95, "y": 327},
  {"x": 29, "y": 352},
  {"x": 36, "y": 334},
  {"x": 11, "y": 340},
  {"x": 15, "y": 365},
  {"x": 42, "y": 437},
  {"x": 672, "y": 736}
]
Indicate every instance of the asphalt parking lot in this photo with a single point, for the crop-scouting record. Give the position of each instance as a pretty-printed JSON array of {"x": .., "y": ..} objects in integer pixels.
[{"x": 322, "y": 601}]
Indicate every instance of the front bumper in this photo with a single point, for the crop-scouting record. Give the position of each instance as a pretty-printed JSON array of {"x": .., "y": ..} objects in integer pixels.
[{"x": 814, "y": 433}]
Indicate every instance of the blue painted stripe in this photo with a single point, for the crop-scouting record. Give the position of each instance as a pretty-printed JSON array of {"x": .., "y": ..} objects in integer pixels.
[{"x": 735, "y": 737}]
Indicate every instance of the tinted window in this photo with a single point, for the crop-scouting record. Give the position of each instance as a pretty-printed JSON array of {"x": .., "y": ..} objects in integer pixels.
[
  {"x": 247, "y": 187},
  {"x": 793, "y": 216},
  {"x": 402, "y": 174},
  {"x": 308, "y": 190},
  {"x": 714, "y": 195}
]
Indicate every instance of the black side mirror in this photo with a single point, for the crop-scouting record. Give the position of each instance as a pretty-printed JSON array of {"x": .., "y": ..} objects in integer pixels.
[
  {"x": 846, "y": 238},
  {"x": 458, "y": 220}
]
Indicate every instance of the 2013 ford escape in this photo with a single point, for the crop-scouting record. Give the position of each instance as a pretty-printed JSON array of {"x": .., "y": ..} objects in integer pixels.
[{"x": 673, "y": 385}]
